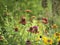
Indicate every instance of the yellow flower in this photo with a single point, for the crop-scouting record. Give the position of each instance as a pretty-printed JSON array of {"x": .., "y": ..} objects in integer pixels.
[
  {"x": 54, "y": 26},
  {"x": 50, "y": 41},
  {"x": 57, "y": 34},
  {"x": 47, "y": 41},
  {"x": 58, "y": 41}
]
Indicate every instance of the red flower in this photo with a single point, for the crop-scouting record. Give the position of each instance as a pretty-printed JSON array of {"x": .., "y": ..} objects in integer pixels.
[
  {"x": 1, "y": 38},
  {"x": 33, "y": 29},
  {"x": 23, "y": 21},
  {"x": 30, "y": 29},
  {"x": 45, "y": 20}
]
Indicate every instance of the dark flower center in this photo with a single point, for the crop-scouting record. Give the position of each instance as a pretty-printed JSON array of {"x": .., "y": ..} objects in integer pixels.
[
  {"x": 40, "y": 36},
  {"x": 59, "y": 43},
  {"x": 49, "y": 40}
]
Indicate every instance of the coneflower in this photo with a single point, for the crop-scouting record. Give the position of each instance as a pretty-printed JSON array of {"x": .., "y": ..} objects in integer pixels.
[
  {"x": 59, "y": 43},
  {"x": 28, "y": 42},
  {"x": 1, "y": 38},
  {"x": 54, "y": 26},
  {"x": 23, "y": 21},
  {"x": 16, "y": 29},
  {"x": 45, "y": 20},
  {"x": 35, "y": 29},
  {"x": 49, "y": 41},
  {"x": 30, "y": 29}
]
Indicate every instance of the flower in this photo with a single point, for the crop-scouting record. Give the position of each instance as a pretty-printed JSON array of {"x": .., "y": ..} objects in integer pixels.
[
  {"x": 28, "y": 10},
  {"x": 23, "y": 21},
  {"x": 28, "y": 42},
  {"x": 30, "y": 29},
  {"x": 56, "y": 34},
  {"x": 58, "y": 41},
  {"x": 47, "y": 41},
  {"x": 1, "y": 38},
  {"x": 45, "y": 20},
  {"x": 54, "y": 26},
  {"x": 16, "y": 29},
  {"x": 50, "y": 41},
  {"x": 33, "y": 29}
]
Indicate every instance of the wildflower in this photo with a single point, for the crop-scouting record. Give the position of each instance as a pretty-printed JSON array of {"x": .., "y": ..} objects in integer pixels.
[
  {"x": 16, "y": 29},
  {"x": 49, "y": 41},
  {"x": 28, "y": 42},
  {"x": 45, "y": 39},
  {"x": 54, "y": 26},
  {"x": 45, "y": 20},
  {"x": 58, "y": 41},
  {"x": 28, "y": 10},
  {"x": 23, "y": 21},
  {"x": 57, "y": 34},
  {"x": 33, "y": 29},
  {"x": 1, "y": 38}
]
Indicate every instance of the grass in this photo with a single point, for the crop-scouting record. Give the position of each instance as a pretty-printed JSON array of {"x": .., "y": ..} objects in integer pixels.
[{"x": 16, "y": 18}]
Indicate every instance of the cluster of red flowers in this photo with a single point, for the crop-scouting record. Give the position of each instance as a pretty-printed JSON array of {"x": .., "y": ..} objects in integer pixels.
[{"x": 33, "y": 29}]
